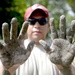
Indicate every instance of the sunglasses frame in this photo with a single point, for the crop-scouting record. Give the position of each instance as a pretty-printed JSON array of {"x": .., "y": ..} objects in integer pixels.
[{"x": 41, "y": 21}]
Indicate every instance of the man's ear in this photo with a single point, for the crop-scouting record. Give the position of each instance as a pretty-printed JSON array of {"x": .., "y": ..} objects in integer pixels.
[{"x": 49, "y": 25}]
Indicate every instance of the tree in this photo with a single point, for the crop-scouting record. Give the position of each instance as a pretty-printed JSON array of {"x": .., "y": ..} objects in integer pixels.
[
  {"x": 17, "y": 8},
  {"x": 72, "y": 4},
  {"x": 7, "y": 11}
]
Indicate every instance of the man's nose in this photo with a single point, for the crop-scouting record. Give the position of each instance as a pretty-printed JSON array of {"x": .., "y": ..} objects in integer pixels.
[{"x": 37, "y": 24}]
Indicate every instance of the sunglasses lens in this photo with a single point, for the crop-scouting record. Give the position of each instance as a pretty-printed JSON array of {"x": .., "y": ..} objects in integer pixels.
[
  {"x": 32, "y": 21},
  {"x": 41, "y": 21}
]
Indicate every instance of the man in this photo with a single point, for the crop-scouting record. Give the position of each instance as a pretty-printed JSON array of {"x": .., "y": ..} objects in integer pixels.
[{"x": 39, "y": 62}]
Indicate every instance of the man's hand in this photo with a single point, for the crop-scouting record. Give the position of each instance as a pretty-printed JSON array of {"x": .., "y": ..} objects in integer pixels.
[
  {"x": 62, "y": 50},
  {"x": 64, "y": 32},
  {"x": 13, "y": 51}
]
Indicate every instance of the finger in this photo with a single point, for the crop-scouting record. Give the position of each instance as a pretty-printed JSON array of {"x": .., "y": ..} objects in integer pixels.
[
  {"x": 73, "y": 49},
  {"x": 62, "y": 27},
  {"x": 23, "y": 30},
  {"x": 14, "y": 28},
  {"x": 45, "y": 46},
  {"x": 1, "y": 46},
  {"x": 29, "y": 49},
  {"x": 54, "y": 33},
  {"x": 71, "y": 31},
  {"x": 30, "y": 45},
  {"x": 5, "y": 32}
]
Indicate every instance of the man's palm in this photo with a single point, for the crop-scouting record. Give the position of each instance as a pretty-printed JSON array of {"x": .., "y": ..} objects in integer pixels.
[
  {"x": 61, "y": 51},
  {"x": 12, "y": 50}
]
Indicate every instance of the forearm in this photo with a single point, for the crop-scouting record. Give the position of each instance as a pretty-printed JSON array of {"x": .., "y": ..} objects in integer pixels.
[
  {"x": 5, "y": 72},
  {"x": 13, "y": 69},
  {"x": 66, "y": 71}
]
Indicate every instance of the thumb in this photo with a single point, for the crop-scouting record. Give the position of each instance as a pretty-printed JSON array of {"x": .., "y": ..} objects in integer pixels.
[
  {"x": 45, "y": 46},
  {"x": 73, "y": 49},
  {"x": 31, "y": 45}
]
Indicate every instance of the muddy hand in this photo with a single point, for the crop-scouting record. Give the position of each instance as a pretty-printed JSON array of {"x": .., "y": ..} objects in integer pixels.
[
  {"x": 62, "y": 50},
  {"x": 64, "y": 32},
  {"x": 13, "y": 51}
]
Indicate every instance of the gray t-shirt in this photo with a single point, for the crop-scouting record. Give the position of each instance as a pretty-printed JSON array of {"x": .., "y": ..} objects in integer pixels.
[{"x": 37, "y": 63}]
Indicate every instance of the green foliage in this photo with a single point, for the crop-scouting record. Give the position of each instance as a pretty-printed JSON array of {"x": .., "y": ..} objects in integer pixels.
[
  {"x": 17, "y": 8},
  {"x": 8, "y": 10},
  {"x": 72, "y": 4}
]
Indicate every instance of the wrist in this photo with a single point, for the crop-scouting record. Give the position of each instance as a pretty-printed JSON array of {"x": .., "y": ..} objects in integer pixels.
[
  {"x": 13, "y": 68},
  {"x": 6, "y": 72},
  {"x": 65, "y": 70}
]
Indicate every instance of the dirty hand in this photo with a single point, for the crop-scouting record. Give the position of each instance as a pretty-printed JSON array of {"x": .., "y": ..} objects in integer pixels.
[
  {"x": 12, "y": 49},
  {"x": 62, "y": 50}
]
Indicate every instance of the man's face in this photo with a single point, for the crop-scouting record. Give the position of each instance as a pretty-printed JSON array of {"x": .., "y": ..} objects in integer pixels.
[{"x": 36, "y": 31}]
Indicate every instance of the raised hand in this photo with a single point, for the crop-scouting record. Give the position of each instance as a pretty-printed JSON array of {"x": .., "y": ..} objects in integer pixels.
[
  {"x": 13, "y": 51},
  {"x": 62, "y": 50},
  {"x": 64, "y": 33}
]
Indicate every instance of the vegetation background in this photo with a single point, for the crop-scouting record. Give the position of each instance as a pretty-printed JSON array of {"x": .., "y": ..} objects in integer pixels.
[{"x": 17, "y": 8}]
